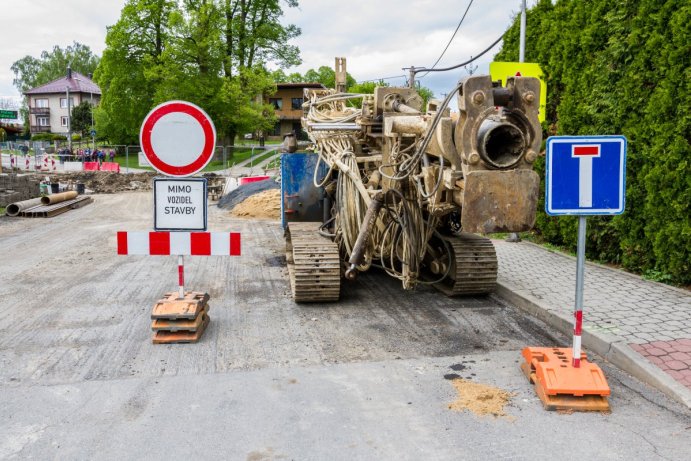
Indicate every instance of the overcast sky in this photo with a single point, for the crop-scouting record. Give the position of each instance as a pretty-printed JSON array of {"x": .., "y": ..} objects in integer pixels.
[{"x": 378, "y": 38}]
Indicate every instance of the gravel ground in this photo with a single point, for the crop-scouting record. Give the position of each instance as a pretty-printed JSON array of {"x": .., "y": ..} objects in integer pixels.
[{"x": 365, "y": 378}]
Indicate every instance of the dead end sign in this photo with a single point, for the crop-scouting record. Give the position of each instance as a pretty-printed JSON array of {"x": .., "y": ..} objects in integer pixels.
[{"x": 178, "y": 138}]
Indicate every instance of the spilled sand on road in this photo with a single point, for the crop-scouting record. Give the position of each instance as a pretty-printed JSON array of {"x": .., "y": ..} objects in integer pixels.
[
  {"x": 265, "y": 204},
  {"x": 481, "y": 399}
]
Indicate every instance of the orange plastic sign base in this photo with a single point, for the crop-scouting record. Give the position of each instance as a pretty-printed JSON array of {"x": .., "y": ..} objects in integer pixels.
[
  {"x": 169, "y": 337},
  {"x": 559, "y": 385}
]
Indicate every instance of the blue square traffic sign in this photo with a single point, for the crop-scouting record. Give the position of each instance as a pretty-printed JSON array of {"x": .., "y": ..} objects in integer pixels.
[{"x": 585, "y": 175}]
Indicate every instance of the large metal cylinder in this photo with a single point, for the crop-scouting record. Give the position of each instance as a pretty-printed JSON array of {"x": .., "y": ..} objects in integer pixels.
[
  {"x": 57, "y": 198},
  {"x": 500, "y": 144}
]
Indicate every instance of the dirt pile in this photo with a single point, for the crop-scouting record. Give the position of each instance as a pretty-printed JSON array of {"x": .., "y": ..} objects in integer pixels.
[
  {"x": 479, "y": 398},
  {"x": 239, "y": 194},
  {"x": 103, "y": 182},
  {"x": 266, "y": 204}
]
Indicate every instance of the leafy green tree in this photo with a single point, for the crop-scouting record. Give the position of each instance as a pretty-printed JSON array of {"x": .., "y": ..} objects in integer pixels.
[
  {"x": 622, "y": 68},
  {"x": 209, "y": 52},
  {"x": 134, "y": 44},
  {"x": 80, "y": 122},
  {"x": 254, "y": 34}
]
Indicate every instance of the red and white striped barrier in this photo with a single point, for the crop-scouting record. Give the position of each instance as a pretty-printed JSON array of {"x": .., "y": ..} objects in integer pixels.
[{"x": 179, "y": 243}]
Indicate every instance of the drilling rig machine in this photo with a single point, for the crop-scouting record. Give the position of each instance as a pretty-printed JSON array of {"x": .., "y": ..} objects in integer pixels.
[{"x": 408, "y": 190}]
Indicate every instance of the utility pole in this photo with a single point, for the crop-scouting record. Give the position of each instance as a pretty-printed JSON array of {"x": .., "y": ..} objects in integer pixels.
[
  {"x": 513, "y": 236},
  {"x": 69, "y": 120},
  {"x": 93, "y": 136},
  {"x": 521, "y": 46}
]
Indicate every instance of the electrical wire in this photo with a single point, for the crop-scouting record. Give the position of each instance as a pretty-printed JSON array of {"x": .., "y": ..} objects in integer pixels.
[
  {"x": 450, "y": 40},
  {"x": 474, "y": 58}
]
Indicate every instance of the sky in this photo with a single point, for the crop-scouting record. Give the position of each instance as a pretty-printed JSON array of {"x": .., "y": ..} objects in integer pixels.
[{"x": 377, "y": 37}]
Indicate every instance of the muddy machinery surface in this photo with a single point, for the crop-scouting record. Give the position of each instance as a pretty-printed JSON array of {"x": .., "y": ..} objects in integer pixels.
[{"x": 408, "y": 191}]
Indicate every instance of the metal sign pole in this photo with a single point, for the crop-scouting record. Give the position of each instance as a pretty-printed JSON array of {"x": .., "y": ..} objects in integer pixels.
[{"x": 578, "y": 308}]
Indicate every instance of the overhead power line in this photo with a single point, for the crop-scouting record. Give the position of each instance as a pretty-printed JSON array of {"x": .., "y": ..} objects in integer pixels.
[
  {"x": 451, "y": 39},
  {"x": 382, "y": 78},
  {"x": 415, "y": 70}
]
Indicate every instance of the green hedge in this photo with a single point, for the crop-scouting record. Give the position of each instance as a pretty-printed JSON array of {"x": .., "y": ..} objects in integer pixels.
[{"x": 622, "y": 68}]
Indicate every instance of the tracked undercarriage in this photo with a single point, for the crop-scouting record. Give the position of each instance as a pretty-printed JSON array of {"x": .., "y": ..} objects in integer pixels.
[{"x": 408, "y": 190}]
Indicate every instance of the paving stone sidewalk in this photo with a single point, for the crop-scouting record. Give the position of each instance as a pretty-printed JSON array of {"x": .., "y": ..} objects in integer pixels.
[{"x": 648, "y": 322}]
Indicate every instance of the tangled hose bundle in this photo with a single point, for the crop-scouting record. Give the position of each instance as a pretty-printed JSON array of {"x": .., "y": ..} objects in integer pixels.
[{"x": 399, "y": 240}]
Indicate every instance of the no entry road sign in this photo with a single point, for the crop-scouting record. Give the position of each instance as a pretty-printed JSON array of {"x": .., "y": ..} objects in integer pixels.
[
  {"x": 178, "y": 138},
  {"x": 586, "y": 175}
]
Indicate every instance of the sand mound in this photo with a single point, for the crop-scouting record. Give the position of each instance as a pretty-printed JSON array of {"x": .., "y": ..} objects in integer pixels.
[
  {"x": 479, "y": 398},
  {"x": 234, "y": 197},
  {"x": 266, "y": 204}
]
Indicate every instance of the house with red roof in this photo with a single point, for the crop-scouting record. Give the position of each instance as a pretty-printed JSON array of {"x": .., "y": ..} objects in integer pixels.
[{"x": 50, "y": 105}]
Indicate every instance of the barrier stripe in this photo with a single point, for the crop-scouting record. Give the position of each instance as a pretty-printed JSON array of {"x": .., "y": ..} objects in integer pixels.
[
  {"x": 179, "y": 243},
  {"x": 122, "y": 243},
  {"x": 235, "y": 244},
  {"x": 578, "y": 325},
  {"x": 577, "y": 350},
  {"x": 159, "y": 243},
  {"x": 200, "y": 243},
  {"x": 220, "y": 243}
]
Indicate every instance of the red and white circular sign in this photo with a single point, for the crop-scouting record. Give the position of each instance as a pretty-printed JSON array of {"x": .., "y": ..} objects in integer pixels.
[{"x": 178, "y": 138}]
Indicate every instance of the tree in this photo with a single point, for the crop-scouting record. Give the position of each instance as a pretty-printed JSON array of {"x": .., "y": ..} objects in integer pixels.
[
  {"x": 80, "y": 122},
  {"x": 209, "y": 52},
  {"x": 134, "y": 44},
  {"x": 622, "y": 68},
  {"x": 253, "y": 34}
]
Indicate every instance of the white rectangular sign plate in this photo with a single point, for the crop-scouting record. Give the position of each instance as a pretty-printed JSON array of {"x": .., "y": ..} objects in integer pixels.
[{"x": 180, "y": 204}]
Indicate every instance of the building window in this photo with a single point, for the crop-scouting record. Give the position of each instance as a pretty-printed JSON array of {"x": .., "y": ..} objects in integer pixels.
[
  {"x": 63, "y": 102},
  {"x": 43, "y": 102},
  {"x": 42, "y": 121},
  {"x": 277, "y": 103},
  {"x": 63, "y": 121},
  {"x": 296, "y": 103}
]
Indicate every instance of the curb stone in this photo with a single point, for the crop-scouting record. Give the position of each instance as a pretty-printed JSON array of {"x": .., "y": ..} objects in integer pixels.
[{"x": 608, "y": 346}]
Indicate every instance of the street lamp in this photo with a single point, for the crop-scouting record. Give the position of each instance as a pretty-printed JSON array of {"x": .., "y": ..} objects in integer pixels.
[{"x": 69, "y": 120}]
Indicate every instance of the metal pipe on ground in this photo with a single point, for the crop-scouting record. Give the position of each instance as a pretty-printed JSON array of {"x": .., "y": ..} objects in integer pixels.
[
  {"x": 57, "y": 198},
  {"x": 13, "y": 209}
]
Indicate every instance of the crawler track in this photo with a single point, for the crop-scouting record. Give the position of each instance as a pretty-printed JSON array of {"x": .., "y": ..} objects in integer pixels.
[
  {"x": 473, "y": 266},
  {"x": 313, "y": 264}
]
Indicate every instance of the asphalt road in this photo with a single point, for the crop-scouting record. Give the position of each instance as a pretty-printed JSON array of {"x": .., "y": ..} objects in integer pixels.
[{"x": 366, "y": 378}]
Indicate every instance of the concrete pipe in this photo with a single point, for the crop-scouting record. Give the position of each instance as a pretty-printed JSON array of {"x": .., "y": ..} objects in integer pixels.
[
  {"x": 57, "y": 198},
  {"x": 13, "y": 209}
]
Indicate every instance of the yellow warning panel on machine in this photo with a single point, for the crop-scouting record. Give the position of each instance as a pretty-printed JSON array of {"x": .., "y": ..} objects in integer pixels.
[{"x": 502, "y": 70}]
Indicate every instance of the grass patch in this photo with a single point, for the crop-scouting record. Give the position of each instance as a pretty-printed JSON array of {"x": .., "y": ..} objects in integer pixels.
[
  {"x": 658, "y": 276},
  {"x": 122, "y": 160},
  {"x": 242, "y": 154},
  {"x": 2, "y": 211}
]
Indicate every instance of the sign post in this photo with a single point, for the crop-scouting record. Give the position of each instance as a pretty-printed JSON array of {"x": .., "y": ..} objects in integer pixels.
[
  {"x": 178, "y": 139},
  {"x": 585, "y": 176}
]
